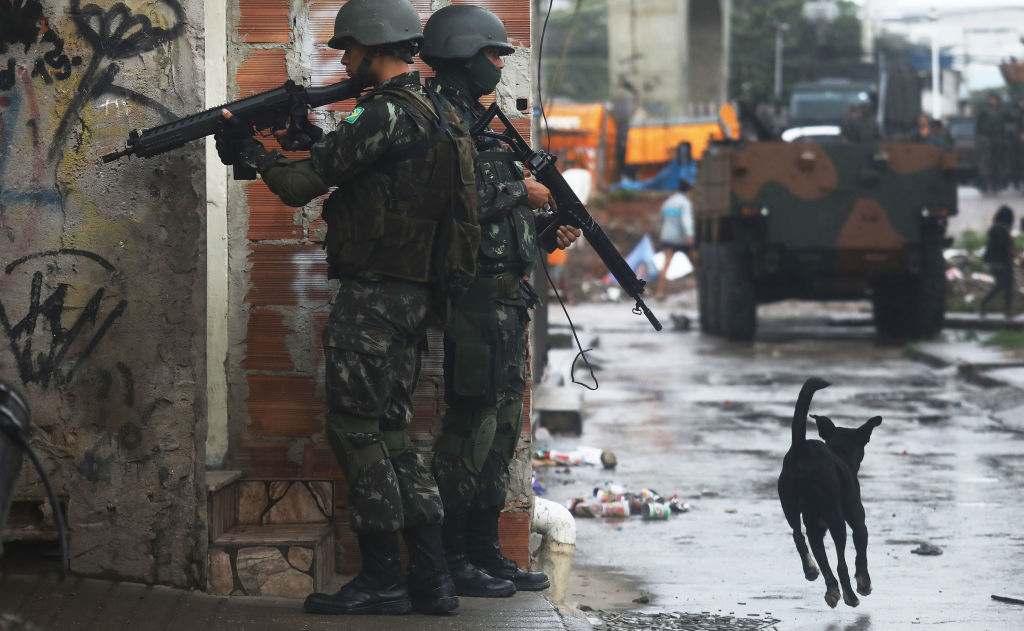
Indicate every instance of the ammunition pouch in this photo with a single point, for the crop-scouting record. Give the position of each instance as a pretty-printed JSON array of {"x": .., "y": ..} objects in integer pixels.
[
  {"x": 471, "y": 348},
  {"x": 509, "y": 426},
  {"x": 357, "y": 443},
  {"x": 468, "y": 434},
  {"x": 396, "y": 442}
]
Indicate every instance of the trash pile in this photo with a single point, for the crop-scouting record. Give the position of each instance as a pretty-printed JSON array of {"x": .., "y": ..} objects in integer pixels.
[
  {"x": 615, "y": 502},
  {"x": 968, "y": 279},
  {"x": 576, "y": 457}
]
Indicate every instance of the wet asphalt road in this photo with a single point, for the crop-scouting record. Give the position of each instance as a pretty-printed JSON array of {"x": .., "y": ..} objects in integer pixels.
[{"x": 690, "y": 414}]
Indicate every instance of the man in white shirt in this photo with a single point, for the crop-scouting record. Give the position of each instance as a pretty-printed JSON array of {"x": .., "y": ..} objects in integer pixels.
[{"x": 676, "y": 230}]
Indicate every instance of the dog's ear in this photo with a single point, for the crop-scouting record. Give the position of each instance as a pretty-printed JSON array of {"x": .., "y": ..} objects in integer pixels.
[
  {"x": 865, "y": 429},
  {"x": 825, "y": 426}
]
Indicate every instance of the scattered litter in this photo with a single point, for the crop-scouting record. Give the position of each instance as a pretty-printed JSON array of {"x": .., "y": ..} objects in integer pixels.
[
  {"x": 680, "y": 621},
  {"x": 613, "y": 501},
  {"x": 680, "y": 322},
  {"x": 576, "y": 457},
  {"x": 927, "y": 549},
  {"x": 732, "y": 510},
  {"x": 537, "y": 488},
  {"x": 1007, "y": 599},
  {"x": 642, "y": 599},
  {"x": 708, "y": 493}
]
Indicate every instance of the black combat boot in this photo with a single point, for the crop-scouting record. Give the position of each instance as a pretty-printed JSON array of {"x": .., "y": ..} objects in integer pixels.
[
  {"x": 484, "y": 551},
  {"x": 469, "y": 580},
  {"x": 430, "y": 585},
  {"x": 379, "y": 588}
]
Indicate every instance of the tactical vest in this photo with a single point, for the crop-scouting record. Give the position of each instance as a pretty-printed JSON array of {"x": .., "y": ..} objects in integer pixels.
[
  {"x": 508, "y": 241},
  {"x": 412, "y": 216}
]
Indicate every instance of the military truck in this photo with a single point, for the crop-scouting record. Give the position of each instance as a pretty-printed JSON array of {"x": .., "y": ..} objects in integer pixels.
[{"x": 824, "y": 221}]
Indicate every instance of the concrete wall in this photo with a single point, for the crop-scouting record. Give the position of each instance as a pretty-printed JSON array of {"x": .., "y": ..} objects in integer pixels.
[
  {"x": 101, "y": 277},
  {"x": 669, "y": 57}
]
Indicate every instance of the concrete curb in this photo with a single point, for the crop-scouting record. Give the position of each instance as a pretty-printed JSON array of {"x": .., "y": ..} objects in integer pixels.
[{"x": 969, "y": 372}]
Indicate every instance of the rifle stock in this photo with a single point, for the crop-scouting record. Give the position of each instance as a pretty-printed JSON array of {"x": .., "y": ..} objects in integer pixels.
[
  {"x": 571, "y": 210},
  {"x": 260, "y": 111}
]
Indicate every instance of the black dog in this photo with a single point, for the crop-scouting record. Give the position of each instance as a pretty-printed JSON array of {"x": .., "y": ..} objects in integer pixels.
[{"x": 819, "y": 481}]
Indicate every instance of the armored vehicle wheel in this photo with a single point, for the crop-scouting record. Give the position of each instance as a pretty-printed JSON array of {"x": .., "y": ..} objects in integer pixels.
[
  {"x": 738, "y": 303},
  {"x": 704, "y": 288},
  {"x": 915, "y": 309}
]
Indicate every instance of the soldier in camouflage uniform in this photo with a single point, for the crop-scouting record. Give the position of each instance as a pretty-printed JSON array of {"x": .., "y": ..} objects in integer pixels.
[
  {"x": 486, "y": 343},
  {"x": 401, "y": 162}
]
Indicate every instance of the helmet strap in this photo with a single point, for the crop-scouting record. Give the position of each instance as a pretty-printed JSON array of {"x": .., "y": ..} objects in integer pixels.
[{"x": 362, "y": 75}]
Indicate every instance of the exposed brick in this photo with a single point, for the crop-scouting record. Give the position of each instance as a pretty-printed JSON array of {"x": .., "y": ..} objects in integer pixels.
[
  {"x": 269, "y": 218},
  {"x": 265, "y": 458},
  {"x": 283, "y": 406},
  {"x": 263, "y": 70},
  {"x": 265, "y": 21},
  {"x": 265, "y": 337},
  {"x": 287, "y": 275},
  {"x": 514, "y": 534}
]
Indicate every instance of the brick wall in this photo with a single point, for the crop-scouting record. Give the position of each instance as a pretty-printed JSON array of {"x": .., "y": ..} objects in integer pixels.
[{"x": 280, "y": 294}]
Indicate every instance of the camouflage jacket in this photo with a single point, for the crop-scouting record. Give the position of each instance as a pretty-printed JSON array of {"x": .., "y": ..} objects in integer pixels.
[
  {"x": 508, "y": 240},
  {"x": 380, "y": 219}
]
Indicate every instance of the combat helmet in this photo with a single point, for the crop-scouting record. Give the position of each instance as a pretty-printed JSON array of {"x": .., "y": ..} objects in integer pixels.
[
  {"x": 461, "y": 31},
  {"x": 377, "y": 23}
]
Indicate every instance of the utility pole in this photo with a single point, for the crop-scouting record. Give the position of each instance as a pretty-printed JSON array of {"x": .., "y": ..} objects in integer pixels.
[
  {"x": 933, "y": 15},
  {"x": 780, "y": 29}
]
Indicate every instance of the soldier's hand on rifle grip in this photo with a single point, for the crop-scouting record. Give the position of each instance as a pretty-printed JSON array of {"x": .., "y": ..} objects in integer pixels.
[
  {"x": 566, "y": 236},
  {"x": 233, "y": 139},
  {"x": 298, "y": 136},
  {"x": 537, "y": 195}
]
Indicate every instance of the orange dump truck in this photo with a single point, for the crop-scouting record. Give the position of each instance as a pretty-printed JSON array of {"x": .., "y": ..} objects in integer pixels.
[
  {"x": 652, "y": 144},
  {"x": 583, "y": 136}
]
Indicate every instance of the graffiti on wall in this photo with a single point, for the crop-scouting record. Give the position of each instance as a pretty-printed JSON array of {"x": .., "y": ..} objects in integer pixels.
[
  {"x": 52, "y": 338},
  {"x": 53, "y": 64}
]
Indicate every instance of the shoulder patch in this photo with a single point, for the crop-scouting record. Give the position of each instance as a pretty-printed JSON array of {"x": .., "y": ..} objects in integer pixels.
[{"x": 354, "y": 116}]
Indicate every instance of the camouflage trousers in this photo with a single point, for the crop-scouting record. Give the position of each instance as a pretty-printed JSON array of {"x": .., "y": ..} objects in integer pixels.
[
  {"x": 468, "y": 486},
  {"x": 372, "y": 342}
]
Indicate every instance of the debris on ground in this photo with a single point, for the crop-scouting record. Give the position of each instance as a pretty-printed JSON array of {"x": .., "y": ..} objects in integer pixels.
[
  {"x": 615, "y": 502},
  {"x": 1007, "y": 599},
  {"x": 579, "y": 456},
  {"x": 928, "y": 550},
  {"x": 679, "y": 621}
]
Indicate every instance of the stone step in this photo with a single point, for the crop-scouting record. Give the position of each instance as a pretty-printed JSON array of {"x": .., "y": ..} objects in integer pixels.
[
  {"x": 281, "y": 560},
  {"x": 234, "y": 501}
]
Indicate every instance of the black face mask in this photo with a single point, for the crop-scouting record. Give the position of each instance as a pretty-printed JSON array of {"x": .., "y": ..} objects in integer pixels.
[{"x": 483, "y": 76}]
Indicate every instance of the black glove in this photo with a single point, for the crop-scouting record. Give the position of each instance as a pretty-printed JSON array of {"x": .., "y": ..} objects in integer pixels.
[
  {"x": 234, "y": 138},
  {"x": 300, "y": 137}
]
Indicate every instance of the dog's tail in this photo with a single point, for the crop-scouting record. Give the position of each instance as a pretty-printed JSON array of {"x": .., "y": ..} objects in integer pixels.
[{"x": 803, "y": 404}]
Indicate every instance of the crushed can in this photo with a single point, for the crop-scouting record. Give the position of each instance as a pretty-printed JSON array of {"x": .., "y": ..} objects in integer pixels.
[
  {"x": 586, "y": 509},
  {"x": 655, "y": 511},
  {"x": 615, "y": 510}
]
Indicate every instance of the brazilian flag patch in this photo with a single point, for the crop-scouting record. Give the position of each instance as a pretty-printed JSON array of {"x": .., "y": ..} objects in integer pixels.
[{"x": 354, "y": 116}]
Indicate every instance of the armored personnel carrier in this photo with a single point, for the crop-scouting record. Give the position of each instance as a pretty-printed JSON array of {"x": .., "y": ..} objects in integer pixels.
[{"x": 824, "y": 221}]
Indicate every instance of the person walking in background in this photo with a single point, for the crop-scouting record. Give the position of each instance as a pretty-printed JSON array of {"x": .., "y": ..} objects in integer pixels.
[
  {"x": 676, "y": 231},
  {"x": 999, "y": 256}
]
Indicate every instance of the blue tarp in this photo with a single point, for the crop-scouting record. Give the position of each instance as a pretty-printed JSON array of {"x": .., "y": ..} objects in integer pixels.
[{"x": 666, "y": 180}]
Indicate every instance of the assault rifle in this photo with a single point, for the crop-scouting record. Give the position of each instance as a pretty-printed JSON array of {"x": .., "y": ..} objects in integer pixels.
[
  {"x": 571, "y": 210},
  {"x": 266, "y": 110}
]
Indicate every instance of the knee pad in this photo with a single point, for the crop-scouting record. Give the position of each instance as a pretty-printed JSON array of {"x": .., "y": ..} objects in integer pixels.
[
  {"x": 506, "y": 436},
  {"x": 353, "y": 446},
  {"x": 468, "y": 434}
]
